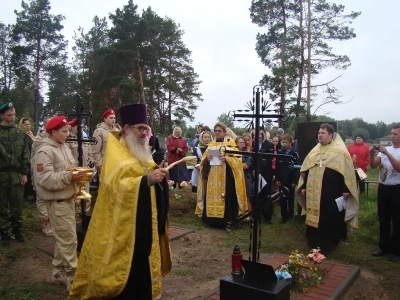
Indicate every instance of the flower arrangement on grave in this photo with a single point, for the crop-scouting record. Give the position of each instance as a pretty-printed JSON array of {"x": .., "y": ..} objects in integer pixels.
[{"x": 304, "y": 272}]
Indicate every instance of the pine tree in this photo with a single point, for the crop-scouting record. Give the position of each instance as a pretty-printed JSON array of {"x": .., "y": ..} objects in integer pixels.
[
  {"x": 40, "y": 43},
  {"x": 296, "y": 47}
]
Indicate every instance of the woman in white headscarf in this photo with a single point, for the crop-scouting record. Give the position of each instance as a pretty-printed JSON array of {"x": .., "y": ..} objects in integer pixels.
[{"x": 204, "y": 139}]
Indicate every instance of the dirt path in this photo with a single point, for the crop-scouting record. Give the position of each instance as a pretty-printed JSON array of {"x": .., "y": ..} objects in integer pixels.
[{"x": 199, "y": 261}]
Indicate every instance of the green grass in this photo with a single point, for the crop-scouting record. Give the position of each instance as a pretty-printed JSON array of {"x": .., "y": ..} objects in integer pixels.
[
  {"x": 284, "y": 238},
  {"x": 275, "y": 238},
  {"x": 32, "y": 291}
]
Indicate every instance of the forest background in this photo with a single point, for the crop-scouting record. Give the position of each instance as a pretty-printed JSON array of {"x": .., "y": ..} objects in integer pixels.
[{"x": 140, "y": 57}]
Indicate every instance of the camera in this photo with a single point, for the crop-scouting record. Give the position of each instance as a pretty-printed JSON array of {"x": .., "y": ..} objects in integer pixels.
[{"x": 376, "y": 147}]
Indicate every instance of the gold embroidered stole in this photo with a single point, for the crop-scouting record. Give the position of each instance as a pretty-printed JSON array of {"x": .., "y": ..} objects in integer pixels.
[
  {"x": 336, "y": 157},
  {"x": 216, "y": 184}
]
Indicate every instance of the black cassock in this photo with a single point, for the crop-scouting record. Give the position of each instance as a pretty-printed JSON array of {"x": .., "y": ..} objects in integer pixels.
[{"x": 332, "y": 227}]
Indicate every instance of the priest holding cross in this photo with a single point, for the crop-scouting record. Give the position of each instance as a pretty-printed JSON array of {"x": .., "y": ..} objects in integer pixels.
[{"x": 326, "y": 179}]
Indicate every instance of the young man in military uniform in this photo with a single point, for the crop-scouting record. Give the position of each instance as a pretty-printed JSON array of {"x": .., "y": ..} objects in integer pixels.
[
  {"x": 100, "y": 135},
  {"x": 14, "y": 168},
  {"x": 56, "y": 183}
]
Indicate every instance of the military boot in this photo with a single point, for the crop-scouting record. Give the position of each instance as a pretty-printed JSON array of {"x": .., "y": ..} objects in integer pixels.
[
  {"x": 5, "y": 237},
  {"x": 17, "y": 235}
]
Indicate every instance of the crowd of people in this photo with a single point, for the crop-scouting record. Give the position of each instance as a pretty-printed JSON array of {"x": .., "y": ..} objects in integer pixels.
[
  {"x": 133, "y": 199},
  {"x": 225, "y": 188}
]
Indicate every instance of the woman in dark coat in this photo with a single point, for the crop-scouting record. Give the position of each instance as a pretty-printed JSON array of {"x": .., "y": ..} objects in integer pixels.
[{"x": 177, "y": 148}]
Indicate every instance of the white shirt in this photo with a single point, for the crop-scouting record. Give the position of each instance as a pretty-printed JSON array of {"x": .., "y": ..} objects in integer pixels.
[{"x": 387, "y": 174}]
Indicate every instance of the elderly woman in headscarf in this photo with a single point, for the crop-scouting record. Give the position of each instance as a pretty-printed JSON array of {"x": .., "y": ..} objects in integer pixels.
[
  {"x": 177, "y": 148},
  {"x": 204, "y": 139}
]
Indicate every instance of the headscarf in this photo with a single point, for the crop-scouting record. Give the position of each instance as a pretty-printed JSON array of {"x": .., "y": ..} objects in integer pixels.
[
  {"x": 22, "y": 126},
  {"x": 203, "y": 145},
  {"x": 180, "y": 132}
]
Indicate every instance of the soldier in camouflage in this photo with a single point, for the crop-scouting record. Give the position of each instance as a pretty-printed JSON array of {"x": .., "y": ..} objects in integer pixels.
[{"x": 14, "y": 168}]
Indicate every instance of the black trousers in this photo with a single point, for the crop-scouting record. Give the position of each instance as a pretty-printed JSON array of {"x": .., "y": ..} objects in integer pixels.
[
  {"x": 139, "y": 281},
  {"x": 360, "y": 184},
  {"x": 269, "y": 209},
  {"x": 287, "y": 204},
  {"x": 389, "y": 218}
]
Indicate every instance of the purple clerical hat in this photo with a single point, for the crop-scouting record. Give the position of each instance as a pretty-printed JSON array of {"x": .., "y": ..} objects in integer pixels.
[{"x": 133, "y": 114}]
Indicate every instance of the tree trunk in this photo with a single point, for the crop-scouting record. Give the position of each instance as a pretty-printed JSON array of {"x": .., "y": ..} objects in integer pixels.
[
  {"x": 139, "y": 70},
  {"x": 151, "y": 101},
  {"x": 309, "y": 64},
  {"x": 283, "y": 55},
  {"x": 37, "y": 86},
  {"x": 301, "y": 68}
]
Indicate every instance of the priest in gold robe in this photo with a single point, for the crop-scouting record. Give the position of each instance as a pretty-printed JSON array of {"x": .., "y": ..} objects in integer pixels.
[
  {"x": 327, "y": 174},
  {"x": 221, "y": 190},
  {"x": 126, "y": 250}
]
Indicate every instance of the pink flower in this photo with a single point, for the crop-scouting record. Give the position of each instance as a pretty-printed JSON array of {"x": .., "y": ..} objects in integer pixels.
[
  {"x": 316, "y": 256},
  {"x": 171, "y": 182},
  {"x": 183, "y": 184}
]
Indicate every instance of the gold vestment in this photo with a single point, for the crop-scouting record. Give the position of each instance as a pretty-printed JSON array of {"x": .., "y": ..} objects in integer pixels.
[
  {"x": 336, "y": 157},
  {"x": 215, "y": 188},
  {"x": 106, "y": 258}
]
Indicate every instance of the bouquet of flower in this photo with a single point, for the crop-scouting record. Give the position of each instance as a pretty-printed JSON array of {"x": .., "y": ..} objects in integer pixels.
[{"x": 305, "y": 271}]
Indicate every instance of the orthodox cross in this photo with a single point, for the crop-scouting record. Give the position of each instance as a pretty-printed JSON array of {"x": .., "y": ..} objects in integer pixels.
[
  {"x": 257, "y": 111},
  {"x": 79, "y": 113}
]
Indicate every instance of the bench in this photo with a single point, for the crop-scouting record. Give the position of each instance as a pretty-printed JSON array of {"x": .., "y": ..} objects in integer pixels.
[{"x": 367, "y": 182}]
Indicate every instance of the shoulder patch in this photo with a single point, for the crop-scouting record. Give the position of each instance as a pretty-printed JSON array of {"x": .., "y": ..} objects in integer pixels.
[{"x": 39, "y": 167}]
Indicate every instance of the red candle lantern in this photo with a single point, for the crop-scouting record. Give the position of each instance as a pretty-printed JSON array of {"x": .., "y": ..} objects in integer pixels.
[{"x": 236, "y": 264}]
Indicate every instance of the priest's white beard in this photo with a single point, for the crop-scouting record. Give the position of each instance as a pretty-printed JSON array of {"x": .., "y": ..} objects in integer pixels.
[{"x": 138, "y": 149}]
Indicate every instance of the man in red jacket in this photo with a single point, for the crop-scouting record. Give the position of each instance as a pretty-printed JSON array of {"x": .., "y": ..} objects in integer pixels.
[{"x": 359, "y": 151}]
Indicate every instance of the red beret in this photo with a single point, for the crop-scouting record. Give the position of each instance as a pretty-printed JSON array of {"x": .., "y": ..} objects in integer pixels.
[
  {"x": 108, "y": 112},
  {"x": 56, "y": 123},
  {"x": 73, "y": 122}
]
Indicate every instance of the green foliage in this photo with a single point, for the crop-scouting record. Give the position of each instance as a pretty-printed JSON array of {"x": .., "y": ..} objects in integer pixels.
[
  {"x": 227, "y": 120},
  {"x": 7, "y": 76},
  {"x": 141, "y": 58},
  {"x": 283, "y": 48},
  {"x": 362, "y": 131},
  {"x": 40, "y": 46}
]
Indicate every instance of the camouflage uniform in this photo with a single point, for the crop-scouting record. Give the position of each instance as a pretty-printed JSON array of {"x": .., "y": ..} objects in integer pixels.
[{"x": 14, "y": 162}]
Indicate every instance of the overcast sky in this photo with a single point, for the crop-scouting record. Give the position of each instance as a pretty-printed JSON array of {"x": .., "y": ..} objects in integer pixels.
[{"x": 222, "y": 40}]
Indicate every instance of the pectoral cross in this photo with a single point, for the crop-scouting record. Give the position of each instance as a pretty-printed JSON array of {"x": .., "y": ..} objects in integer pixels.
[{"x": 320, "y": 162}]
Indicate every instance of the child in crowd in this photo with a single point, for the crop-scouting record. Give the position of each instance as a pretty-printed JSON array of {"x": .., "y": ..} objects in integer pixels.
[{"x": 288, "y": 179}]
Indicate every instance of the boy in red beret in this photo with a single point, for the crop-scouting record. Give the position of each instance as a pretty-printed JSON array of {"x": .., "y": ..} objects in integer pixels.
[
  {"x": 100, "y": 135},
  {"x": 56, "y": 183}
]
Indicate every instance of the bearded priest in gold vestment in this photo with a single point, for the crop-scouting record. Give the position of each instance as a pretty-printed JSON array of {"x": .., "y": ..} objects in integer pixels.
[
  {"x": 126, "y": 250},
  {"x": 327, "y": 174}
]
